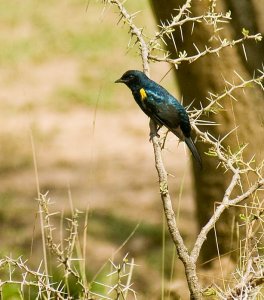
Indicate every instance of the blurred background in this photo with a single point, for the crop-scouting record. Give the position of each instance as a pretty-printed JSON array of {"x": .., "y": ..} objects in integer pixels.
[{"x": 58, "y": 101}]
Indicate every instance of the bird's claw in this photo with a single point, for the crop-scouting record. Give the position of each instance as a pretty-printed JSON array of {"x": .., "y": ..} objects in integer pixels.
[{"x": 152, "y": 135}]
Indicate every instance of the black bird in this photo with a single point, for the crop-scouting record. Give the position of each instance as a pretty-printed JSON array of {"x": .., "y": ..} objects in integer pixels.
[{"x": 161, "y": 107}]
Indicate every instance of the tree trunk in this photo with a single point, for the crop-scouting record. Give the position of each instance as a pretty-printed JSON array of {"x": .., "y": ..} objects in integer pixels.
[
  {"x": 206, "y": 75},
  {"x": 249, "y": 15}
]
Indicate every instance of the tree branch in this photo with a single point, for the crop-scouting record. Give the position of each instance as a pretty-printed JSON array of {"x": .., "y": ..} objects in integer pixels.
[
  {"x": 230, "y": 161},
  {"x": 220, "y": 209},
  {"x": 208, "y": 50},
  {"x": 214, "y": 99},
  {"x": 249, "y": 282},
  {"x": 135, "y": 31}
]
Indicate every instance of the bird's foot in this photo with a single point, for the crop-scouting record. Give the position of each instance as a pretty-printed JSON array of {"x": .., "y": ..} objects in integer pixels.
[
  {"x": 154, "y": 128},
  {"x": 152, "y": 135}
]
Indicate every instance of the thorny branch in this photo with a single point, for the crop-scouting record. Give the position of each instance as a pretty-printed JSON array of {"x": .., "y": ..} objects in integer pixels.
[
  {"x": 64, "y": 256},
  {"x": 135, "y": 31},
  {"x": 226, "y": 202},
  {"x": 30, "y": 278},
  {"x": 176, "y": 22},
  {"x": 215, "y": 99},
  {"x": 228, "y": 160},
  {"x": 123, "y": 272},
  {"x": 183, "y": 57},
  {"x": 249, "y": 282}
]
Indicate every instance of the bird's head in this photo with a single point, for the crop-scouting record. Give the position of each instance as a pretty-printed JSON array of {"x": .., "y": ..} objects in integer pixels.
[{"x": 133, "y": 79}]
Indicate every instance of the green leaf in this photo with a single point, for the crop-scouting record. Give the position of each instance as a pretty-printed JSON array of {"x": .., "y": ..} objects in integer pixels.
[
  {"x": 209, "y": 292},
  {"x": 242, "y": 217},
  {"x": 245, "y": 32}
]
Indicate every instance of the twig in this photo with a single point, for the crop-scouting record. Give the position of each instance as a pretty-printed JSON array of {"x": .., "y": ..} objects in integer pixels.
[
  {"x": 177, "y": 22},
  {"x": 208, "y": 50},
  {"x": 250, "y": 281},
  {"x": 64, "y": 257},
  {"x": 135, "y": 31},
  {"x": 220, "y": 209},
  {"x": 214, "y": 99},
  {"x": 40, "y": 278}
]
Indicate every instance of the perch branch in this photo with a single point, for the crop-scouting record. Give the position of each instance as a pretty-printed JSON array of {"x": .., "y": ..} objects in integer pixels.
[
  {"x": 190, "y": 267},
  {"x": 135, "y": 31}
]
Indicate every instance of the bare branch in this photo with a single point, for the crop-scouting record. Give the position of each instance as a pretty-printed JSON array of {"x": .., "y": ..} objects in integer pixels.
[
  {"x": 30, "y": 278},
  {"x": 190, "y": 267},
  {"x": 178, "y": 22},
  {"x": 183, "y": 57},
  {"x": 220, "y": 209},
  {"x": 214, "y": 99},
  {"x": 135, "y": 31},
  {"x": 64, "y": 257},
  {"x": 249, "y": 282}
]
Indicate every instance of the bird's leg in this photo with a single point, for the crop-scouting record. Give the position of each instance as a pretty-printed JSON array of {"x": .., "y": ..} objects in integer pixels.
[
  {"x": 154, "y": 128},
  {"x": 164, "y": 139}
]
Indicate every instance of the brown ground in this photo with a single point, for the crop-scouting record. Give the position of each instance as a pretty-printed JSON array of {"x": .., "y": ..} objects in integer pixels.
[{"x": 103, "y": 157}]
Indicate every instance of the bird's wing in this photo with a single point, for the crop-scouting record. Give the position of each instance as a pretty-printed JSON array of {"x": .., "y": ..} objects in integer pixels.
[{"x": 169, "y": 112}]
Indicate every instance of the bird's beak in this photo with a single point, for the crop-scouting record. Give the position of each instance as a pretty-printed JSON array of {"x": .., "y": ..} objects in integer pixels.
[{"x": 120, "y": 80}]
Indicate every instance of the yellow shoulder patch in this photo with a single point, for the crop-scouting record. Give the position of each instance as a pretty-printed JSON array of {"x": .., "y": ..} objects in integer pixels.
[{"x": 143, "y": 94}]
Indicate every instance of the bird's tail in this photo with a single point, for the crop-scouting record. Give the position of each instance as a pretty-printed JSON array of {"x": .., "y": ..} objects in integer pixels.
[{"x": 194, "y": 151}]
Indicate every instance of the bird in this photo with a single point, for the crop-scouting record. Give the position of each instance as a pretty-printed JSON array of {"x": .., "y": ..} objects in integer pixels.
[{"x": 159, "y": 105}]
